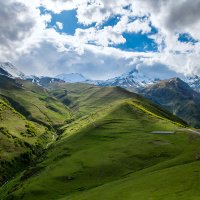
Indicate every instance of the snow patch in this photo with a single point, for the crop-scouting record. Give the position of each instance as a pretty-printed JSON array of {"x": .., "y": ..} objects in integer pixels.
[{"x": 11, "y": 70}]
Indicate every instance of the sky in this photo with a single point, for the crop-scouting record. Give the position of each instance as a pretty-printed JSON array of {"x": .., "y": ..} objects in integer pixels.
[{"x": 101, "y": 38}]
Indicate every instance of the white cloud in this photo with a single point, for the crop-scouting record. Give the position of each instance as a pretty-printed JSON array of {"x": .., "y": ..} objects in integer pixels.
[
  {"x": 59, "y": 25},
  {"x": 113, "y": 35},
  {"x": 94, "y": 62},
  {"x": 21, "y": 28},
  {"x": 58, "y": 6},
  {"x": 27, "y": 38},
  {"x": 103, "y": 37},
  {"x": 136, "y": 26}
]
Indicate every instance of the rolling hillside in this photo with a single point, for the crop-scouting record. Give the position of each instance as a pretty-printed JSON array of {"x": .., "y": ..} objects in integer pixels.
[
  {"x": 28, "y": 120},
  {"x": 83, "y": 99},
  {"x": 33, "y": 101},
  {"x": 92, "y": 143},
  {"x": 107, "y": 146}
]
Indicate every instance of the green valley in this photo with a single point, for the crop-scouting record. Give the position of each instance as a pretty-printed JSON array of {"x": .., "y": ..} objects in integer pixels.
[
  {"x": 99, "y": 100},
  {"x": 89, "y": 142}
]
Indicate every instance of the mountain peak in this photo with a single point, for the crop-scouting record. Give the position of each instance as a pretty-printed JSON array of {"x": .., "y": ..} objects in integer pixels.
[
  {"x": 176, "y": 82},
  {"x": 194, "y": 82},
  {"x": 8, "y": 69},
  {"x": 134, "y": 71},
  {"x": 132, "y": 79},
  {"x": 174, "y": 85}
]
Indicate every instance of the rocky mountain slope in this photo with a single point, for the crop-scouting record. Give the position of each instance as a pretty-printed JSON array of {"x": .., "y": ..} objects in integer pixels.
[
  {"x": 132, "y": 79},
  {"x": 43, "y": 81},
  {"x": 176, "y": 96},
  {"x": 10, "y": 70},
  {"x": 193, "y": 82}
]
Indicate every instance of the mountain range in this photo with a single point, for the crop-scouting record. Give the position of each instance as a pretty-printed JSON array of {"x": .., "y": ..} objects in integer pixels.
[
  {"x": 182, "y": 98},
  {"x": 176, "y": 96},
  {"x": 83, "y": 141},
  {"x": 131, "y": 80}
]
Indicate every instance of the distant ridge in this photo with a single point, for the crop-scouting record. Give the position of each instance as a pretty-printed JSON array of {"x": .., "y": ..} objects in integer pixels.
[
  {"x": 176, "y": 96},
  {"x": 72, "y": 78},
  {"x": 132, "y": 80}
]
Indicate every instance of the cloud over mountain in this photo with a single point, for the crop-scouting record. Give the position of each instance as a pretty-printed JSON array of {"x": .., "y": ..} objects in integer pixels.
[{"x": 106, "y": 35}]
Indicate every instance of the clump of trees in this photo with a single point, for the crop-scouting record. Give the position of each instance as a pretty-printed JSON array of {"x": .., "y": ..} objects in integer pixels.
[{"x": 30, "y": 130}]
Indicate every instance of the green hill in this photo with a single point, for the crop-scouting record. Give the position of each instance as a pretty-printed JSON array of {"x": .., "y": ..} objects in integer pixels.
[
  {"x": 102, "y": 158},
  {"x": 28, "y": 120},
  {"x": 20, "y": 139},
  {"x": 111, "y": 144},
  {"x": 34, "y": 102},
  {"x": 84, "y": 98}
]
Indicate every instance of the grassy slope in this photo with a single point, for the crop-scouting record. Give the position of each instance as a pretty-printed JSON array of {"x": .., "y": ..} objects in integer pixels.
[
  {"x": 84, "y": 98},
  {"x": 114, "y": 156},
  {"x": 19, "y": 139},
  {"x": 27, "y": 117},
  {"x": 33, "y": 101}
]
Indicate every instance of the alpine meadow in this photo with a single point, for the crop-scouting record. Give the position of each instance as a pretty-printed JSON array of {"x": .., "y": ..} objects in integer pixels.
[{"x": 99, "y": 100}]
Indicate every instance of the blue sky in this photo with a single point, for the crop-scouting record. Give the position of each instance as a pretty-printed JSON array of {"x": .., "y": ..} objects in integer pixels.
[
  {"x": 134, "y": 41},
  {"x": 67, "y": 18},
  {"x": 186, "y": 38},
  {"x": 99, "y": 38}
]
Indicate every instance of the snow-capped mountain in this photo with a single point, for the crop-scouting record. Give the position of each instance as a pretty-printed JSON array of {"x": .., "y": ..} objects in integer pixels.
[
  {"x": 133, "y": 78},
  {"x": 72, "y": 78},
  {"x": 8, "y": 69},
  {"x": 193, "y": 82},
  {"x": 43, "y": 81}
]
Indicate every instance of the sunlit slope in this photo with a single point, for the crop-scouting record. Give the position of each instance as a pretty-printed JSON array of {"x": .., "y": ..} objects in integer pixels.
[
  {"x": 114, "y": 155},
  {"x": 20, "y": 139},
  {"x": 84, "y": 98},
  {"x": 33, "y": 101},
  {"x": 28, "y": 119}
]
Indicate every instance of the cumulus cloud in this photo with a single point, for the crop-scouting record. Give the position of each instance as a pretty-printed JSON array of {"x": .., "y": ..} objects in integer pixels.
[
  {"x": 58, "y": 6},
  {"x": 113, "y": 35},
  {"x": 20, "y": 23},
  {"x": 21, "y": 27},
  {"x": 16, "y": 25},
  {"x": 98, "y": 63},
  {"x": 59, "y": 25},
  {"x": 26, "y": 40},
  {"x": 184, "y": 14}
]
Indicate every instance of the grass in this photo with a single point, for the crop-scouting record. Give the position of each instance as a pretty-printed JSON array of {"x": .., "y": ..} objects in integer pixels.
[
  {"x": 18, "y": 136},
  {"x": 28, "y": 115},
  {"x": 85, "y": 98},
  {"x": 117, "y": 158},
  {"x": 104, "y": 148},
  {"x": 35, "y": 103},
  {"x": 171, "y": 183}
]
